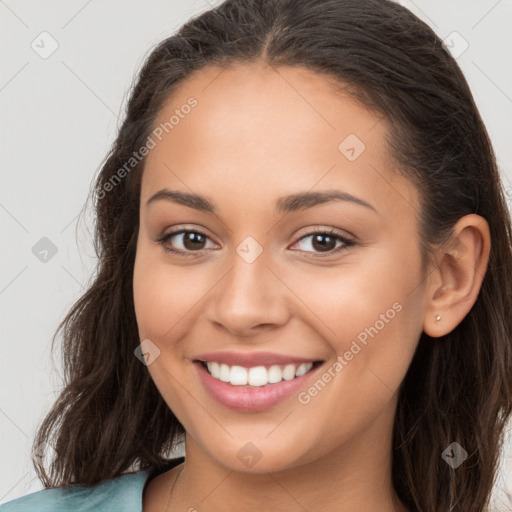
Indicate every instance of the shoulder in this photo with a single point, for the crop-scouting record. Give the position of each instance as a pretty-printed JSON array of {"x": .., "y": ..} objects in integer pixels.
[{"x": 123, "y": 493}]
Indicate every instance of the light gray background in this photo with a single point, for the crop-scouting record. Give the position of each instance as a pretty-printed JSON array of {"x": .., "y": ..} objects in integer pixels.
[{"x": 59, "y": 117}]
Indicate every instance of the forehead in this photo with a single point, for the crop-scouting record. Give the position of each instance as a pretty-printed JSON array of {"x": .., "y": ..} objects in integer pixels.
[{"x": 273, "y": 131}]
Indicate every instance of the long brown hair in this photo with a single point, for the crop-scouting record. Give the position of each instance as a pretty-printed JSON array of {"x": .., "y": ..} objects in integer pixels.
[{"x": 110, "y": 418}]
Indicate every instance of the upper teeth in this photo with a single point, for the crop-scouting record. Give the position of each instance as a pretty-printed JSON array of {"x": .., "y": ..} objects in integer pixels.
[{"x": 258, "y": 375}]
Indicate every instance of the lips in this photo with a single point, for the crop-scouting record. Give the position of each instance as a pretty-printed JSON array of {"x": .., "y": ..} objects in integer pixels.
[{"x": 244, "y": 396}]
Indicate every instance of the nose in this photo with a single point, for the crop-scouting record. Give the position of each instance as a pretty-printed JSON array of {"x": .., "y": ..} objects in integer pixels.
[{"x": 250, "y": 298}]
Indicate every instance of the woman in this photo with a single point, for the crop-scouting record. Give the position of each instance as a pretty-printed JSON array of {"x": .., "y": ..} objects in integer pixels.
[{"x": 339, "y": 337}]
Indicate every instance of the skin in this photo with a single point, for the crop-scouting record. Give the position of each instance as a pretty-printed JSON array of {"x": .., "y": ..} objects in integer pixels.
[{"x": 257, "y": 134}]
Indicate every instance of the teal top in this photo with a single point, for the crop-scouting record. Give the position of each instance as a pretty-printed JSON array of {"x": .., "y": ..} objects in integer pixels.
[{"x": 121, "y": 494}]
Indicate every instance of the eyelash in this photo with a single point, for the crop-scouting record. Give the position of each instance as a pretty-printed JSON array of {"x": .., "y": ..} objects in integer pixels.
[{"x": 331, "y": 233}]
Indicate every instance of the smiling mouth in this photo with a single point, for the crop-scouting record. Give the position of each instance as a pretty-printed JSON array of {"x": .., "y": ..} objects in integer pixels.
[{"x": 257, "y": 376}]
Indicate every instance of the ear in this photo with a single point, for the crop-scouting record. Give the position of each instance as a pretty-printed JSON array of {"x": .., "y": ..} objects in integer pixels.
[{"x": 455, "y": 283}]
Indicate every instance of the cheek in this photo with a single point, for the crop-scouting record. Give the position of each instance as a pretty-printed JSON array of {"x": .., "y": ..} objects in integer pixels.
[
  {"x": 162, "y": 300},
  {"x": 370, "y": 316},
  {"x": 150, "y": 301},
  {"x": 163, "y": 295},
  {"x": 373, "y": 354},
  {"x": 361, "y": 298}
]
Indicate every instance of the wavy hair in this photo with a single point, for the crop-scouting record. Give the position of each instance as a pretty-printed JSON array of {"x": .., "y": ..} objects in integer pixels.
[{"x": 110, "y": 419}]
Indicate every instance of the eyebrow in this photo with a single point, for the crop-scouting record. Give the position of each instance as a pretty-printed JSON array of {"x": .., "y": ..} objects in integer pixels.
[{"x": 291, "y": 203}]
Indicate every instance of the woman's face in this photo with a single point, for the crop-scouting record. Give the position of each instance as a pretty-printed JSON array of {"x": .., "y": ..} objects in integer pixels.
[{"x": 273, "y": 279}]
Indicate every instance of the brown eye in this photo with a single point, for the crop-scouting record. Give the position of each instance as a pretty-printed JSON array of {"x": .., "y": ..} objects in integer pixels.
[
  {"x": 324, "y": 242},
  {"x": 184, "y": 242},
  {"x": 193, "y": 241},
  {"x": 327, "y": 242}
]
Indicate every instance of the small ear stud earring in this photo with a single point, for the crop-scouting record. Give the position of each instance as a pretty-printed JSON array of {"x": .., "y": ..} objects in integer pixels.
[{"x": 438, "y": 317}]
